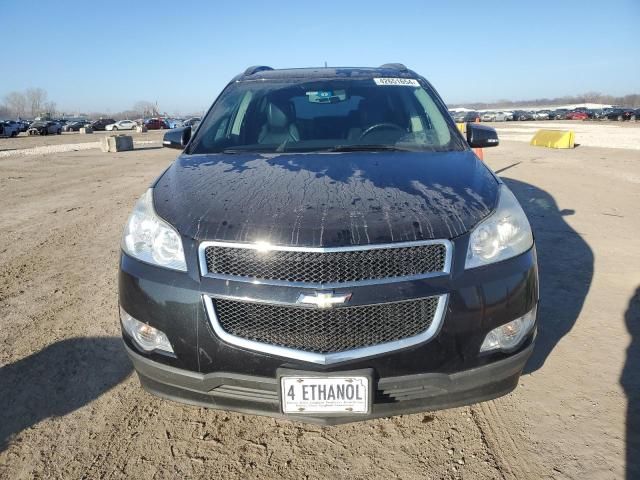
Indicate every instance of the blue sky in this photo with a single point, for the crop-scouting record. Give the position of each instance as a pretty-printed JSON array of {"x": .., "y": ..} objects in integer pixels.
[{"x": 105, "y": 57}]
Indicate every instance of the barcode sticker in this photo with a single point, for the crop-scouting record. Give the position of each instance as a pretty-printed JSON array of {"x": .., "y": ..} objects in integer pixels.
[{"x": 402, "y": 82}]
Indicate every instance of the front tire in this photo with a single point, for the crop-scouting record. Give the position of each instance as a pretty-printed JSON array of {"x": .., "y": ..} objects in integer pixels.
[{"x": 114, "y": 129}]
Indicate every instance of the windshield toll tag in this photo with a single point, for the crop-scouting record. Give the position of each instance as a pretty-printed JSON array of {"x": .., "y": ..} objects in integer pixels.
[{"x": 401, "y": 82}]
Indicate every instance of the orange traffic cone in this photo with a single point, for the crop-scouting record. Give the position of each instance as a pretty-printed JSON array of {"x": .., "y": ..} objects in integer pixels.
[{"x": 478, "y": 151}]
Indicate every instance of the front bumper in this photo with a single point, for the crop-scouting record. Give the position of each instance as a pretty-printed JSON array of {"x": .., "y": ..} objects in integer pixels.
[
  {"x": 393, "y": 395},
  {"x": 445, "y": 371}
]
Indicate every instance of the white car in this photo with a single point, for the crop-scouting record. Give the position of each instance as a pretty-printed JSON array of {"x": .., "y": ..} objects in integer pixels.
[
  {"x": 122, "y": 125},
  {"x": 488, "y": 117},
  {"x": 503, "y": 116}
]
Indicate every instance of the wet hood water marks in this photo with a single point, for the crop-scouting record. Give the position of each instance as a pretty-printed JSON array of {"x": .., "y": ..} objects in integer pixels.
[{"x": 326, "y": 199}]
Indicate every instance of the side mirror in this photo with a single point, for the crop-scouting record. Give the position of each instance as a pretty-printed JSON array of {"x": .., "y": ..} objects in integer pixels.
[
  {"x": 177, "y": 138},
  {"x": 481, "y": 136}
]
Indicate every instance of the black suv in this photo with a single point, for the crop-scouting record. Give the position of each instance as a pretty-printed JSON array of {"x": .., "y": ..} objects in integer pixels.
[
  {"x": 101, "y": 123},
  {"x": 619, "y": 114},
  {"x": 328, "y": 248},
  {"x": 463, "y": 117}
]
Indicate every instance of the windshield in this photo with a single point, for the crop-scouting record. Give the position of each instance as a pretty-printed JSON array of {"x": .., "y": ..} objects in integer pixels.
[{"x": 326, "y": 115}]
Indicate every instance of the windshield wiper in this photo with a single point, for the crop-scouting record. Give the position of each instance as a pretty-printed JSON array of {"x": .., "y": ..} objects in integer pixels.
[{"x": 368, "y": 148}]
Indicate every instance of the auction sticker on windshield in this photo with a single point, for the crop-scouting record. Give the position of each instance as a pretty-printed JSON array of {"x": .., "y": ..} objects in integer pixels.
[
  {"x": 325, "y": 394},
  {"x": 402, "y": 82}
]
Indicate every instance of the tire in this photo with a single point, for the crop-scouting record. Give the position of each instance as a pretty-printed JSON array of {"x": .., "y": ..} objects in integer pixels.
[
  {"x": 114, "y": 128},
  {"x": 14, "y": 134},
  {"x": 59, "y": 132}
]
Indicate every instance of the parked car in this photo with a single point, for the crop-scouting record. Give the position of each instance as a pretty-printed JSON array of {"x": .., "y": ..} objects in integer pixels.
[
  {"x": 9, "y": 129},
  {"x": 541, "y": 115},
  {"x": 619, "y": 114},
  {"x": 17, "y": 126},
  {"x": 222, "y": 306},
  {"x": 558, "y": 114},
  {"x": 636, "y": 115},
  {"x": 75, "y": 125},
  {"x": 579, "y": 115},
  {"x": 523, "y": 115},
  {"x": 122, "y": 125},
  {"x": 174, "y": 122},
  {"x": 465, "y": 117},
  {"x": 101, "y": 124},
  {"x": 190, "y": 122},
  {"x": 156, "y": 124},
  {"x": 503, "y": 116},
  {"x": 488, "y": 117},
  {"x": 44, "y": 127}
]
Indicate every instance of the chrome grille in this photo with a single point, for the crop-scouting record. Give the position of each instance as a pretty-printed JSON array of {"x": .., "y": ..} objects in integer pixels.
[
  {"x": 325, "y": 266},
  {"x": 325, "y": 330}
]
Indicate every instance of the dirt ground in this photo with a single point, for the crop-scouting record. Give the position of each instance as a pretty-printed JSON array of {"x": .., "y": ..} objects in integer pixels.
[{"x": 70, "y": 406}]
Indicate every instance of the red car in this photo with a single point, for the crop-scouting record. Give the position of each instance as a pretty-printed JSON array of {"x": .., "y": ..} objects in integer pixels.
[
  {"x": 577, "y": 116},
  {"x": 156, "y": 124}
]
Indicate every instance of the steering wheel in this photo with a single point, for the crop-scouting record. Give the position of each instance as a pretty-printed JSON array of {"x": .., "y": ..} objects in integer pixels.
[{"x": 377, "y": 126}]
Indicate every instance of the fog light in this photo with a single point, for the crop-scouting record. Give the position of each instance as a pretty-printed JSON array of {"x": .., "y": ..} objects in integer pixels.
[
  {"x": 145, "y": 336},
  {"x": 509, "y": 336}
]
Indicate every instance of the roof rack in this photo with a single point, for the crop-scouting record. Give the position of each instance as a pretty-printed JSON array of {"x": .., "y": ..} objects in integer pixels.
[
  {"x": 395, "y": 66},
  {"x": 256, "y": 69}
]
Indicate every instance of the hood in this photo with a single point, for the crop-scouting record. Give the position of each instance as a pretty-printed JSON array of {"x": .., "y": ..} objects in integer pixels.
[{"x": 326, "y": 199}]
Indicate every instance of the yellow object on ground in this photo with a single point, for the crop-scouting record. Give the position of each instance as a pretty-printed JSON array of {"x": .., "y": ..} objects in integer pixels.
[{"x": 554, "y": 139}]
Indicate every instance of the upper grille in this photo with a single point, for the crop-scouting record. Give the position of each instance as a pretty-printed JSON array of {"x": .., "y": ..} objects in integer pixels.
[
  {"x": 325, "y": 330},
  {"x": 326, "y": 267}
]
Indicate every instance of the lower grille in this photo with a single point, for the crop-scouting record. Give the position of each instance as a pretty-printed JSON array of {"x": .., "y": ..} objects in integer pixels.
[{"x": 326, "y": 330}]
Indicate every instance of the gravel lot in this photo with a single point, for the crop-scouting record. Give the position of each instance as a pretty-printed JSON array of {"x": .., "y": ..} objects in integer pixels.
[
  {"x": 70, "y": 406},
  {"x": 67, "y": 142},
  {"x": 604, "y": 134}
]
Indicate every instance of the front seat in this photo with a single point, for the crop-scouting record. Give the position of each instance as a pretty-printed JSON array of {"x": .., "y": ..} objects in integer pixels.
[{"x": 278, "y": 129}]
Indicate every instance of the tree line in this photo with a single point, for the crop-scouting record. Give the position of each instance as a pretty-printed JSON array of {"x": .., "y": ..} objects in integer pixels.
[
  {"x": 34, "y": 102},
  {"x": 31, "y": 102},
  {"x": 629, "y": 101}
]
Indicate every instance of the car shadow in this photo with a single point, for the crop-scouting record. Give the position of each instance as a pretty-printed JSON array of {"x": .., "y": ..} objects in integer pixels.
[
  {"x": 630, "y": 381},
  {"x": 565, "y": 263},
  {"x": 57, "y": 380}
]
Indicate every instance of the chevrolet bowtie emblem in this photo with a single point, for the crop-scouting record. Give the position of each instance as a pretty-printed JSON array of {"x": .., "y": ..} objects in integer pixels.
[{"x": 324, "y": 300}]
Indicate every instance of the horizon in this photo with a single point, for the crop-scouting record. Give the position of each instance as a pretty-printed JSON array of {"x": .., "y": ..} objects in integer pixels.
[{"x": 93, "y": 64}]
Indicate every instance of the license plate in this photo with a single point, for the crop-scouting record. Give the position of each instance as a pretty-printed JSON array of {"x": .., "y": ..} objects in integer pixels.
[{"x": 325, "y": 394}]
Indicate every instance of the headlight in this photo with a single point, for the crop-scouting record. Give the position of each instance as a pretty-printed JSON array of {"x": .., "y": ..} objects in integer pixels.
[
  {"x": 145, "y": 336},
  {"x": 504, "y": 234},
  {"x": 509, "y": 336},
  {"x": 149, "y": 238}
]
